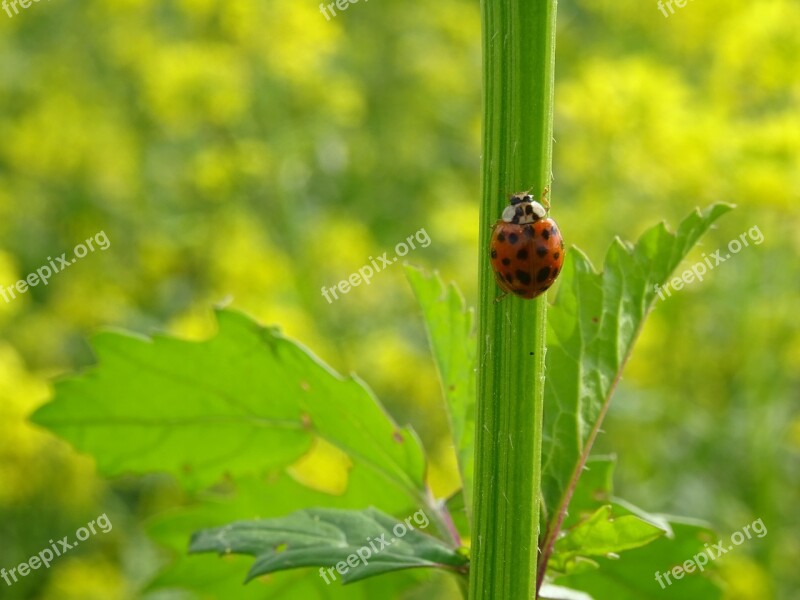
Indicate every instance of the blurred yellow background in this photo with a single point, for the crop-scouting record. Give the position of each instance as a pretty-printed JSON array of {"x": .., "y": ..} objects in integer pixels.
[{"x": 252, "y": 152}]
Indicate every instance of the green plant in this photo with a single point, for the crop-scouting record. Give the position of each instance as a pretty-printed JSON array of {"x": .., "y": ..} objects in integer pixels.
[
  {"x": 250, "y": 401},
  {"x": 217, "y": 415}
]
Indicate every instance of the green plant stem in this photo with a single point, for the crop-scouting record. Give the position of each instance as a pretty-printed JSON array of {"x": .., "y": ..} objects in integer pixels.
[{"x": 519, "y": 51}]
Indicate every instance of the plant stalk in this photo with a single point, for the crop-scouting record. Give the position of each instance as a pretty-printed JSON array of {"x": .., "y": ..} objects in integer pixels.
[{"x": 518, "y": 67}]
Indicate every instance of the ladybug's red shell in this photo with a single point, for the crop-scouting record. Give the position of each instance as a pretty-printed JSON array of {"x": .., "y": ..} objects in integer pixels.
[{"x": 526, "y": 257}]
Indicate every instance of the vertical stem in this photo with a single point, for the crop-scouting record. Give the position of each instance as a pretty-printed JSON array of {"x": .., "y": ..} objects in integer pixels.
[{"x": 519, "y": 52}]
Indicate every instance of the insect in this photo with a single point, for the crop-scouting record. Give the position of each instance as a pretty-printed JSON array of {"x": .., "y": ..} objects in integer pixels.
[{"x": 527, "y": 249}]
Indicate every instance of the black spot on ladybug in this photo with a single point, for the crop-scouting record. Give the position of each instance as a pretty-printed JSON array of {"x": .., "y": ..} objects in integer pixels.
[
  {"x": 543, "y": 274},
  {"x": 545, "y": 288},
  {"x": 529, "y": 232},
  {"x": 501, "y": 237},
  {"x": 494, "y": 253},
  {"x": 541, "y": 251},
  {"x": 523, "y": 277},
  {"x": 522, "y": 254},
  {"x": 509, "y": 277},
  {"x": 513, "y": 238},
  {"x": 556, "y": 255},
  {"x": 506, "y": 261},
  {"x": 546, "y": 234},
  {"x": 555, "y": 272}
]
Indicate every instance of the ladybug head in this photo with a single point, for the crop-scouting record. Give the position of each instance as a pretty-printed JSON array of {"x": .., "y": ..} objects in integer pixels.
[{"x": 523, "y": 209}]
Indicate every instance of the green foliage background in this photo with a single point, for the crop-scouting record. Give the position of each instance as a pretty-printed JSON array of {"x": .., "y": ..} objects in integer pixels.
[{"x": 253, "y": 152}]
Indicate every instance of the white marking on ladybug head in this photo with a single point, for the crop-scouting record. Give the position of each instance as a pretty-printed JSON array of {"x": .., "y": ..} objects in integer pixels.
[
  {"x": 508, "y": 214},
  {"x": 538, "y": 210},
  {"x": 523, "y": 213}
]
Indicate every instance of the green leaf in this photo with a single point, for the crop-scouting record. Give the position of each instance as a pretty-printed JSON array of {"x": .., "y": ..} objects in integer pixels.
[
  {"x": 207, "y": 577},
  {"x": 352, "y": 544},
  {"x": 245, "y": 401},
  {"x": 602, "y": 534},
  {"x": 595, "y": 493},
  {"x": 592, "y": 328},
  {"x": 633, "y": 575},
  {"x": 250, "y": 498},
  {"x": 450, "y": 331}
]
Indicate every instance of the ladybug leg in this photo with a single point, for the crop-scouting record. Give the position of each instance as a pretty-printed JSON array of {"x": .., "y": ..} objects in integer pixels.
[{"x": 500, "y": 297}]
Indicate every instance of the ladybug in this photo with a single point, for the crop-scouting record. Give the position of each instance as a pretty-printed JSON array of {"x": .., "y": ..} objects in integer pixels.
[{"x": 527, "y": 249}]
